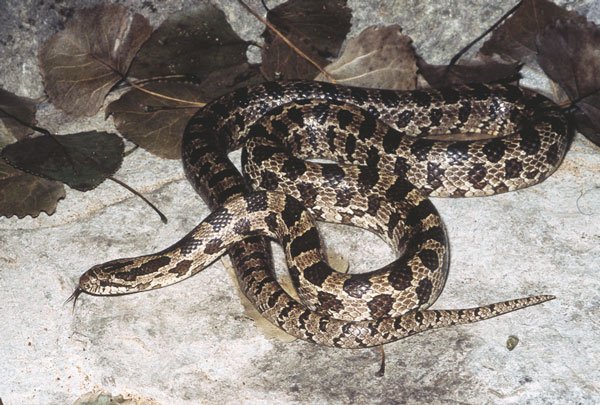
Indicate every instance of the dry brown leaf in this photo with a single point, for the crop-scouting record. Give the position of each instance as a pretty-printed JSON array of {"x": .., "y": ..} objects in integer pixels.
[
  {"x": 225, "y": 80},
  {"x": 380, "y": 57},
  {"x": 515, "y": 39},
  {"x": 82, "y": 160},
  {"x": 23, "y": 194},
  {"x": 154, "y": 123},
  {"x": 568, "y": 54},
  {"x": 587, "y": 118},
  {"x": 196, "y": 43},
  {"x": 84, "y": 61},
  {"x": 316, "y": 27}
]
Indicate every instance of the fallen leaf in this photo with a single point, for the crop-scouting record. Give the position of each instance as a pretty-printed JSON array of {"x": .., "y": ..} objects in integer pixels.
[
  {"x": 568, "y": 54},
  {"x": 379, "y": 57},
  {"x": 316, "y": 27},
  {"x": 154, "y": 123},
  {"x": 82, "y": 161},
  {"x": 17, "y": 115},
  {"x": 225, "y": 80},
  {"x": 83, "y": 62},
  {"x": 23, "y": 194},
  {"x": 438, "y": 76},
  {"x": 515, "y": 39},
  {"x": 194, "y": 43}
]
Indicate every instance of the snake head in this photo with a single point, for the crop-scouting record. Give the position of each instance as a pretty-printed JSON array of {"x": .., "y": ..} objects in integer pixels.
[
  {"x": 123, "y": 276},
  {"x": 88, "y": 284},
  {"x": 90, "y": 281},
  {"x": 101, "y": 279},
  {"x": 105, "y": 278}
]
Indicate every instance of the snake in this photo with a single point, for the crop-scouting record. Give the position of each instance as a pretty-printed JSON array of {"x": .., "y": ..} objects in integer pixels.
[{"x": 316, "y": 151}]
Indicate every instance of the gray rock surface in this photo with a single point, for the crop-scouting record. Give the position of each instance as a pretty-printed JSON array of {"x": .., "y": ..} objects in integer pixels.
[{"x": 193, "y": 343}]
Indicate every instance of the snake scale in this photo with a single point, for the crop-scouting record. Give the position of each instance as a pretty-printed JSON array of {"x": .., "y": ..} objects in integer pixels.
[{"x": 391, "y": 149}]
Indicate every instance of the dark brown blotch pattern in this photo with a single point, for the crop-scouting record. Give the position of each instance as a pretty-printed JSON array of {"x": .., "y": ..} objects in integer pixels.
[
  {"x": 213, "y": 246},
  {"x": 147, "y": 267},
  {"x": 344, "y": 197},
  {"x": 329, "y": 303},
  {"x": 317, "y": 273},
  {"x": 429, "y": 259},
  {"x": 181, "y": 268},
  {"x": 424, "y": 290},
  {"x": 381, "y": 305},
  {"x": 513, "y": 168},
  {"x": 356, "y": 287}
]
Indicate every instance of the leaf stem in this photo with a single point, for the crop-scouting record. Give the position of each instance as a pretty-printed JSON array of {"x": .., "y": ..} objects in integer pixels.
[
  {"x": 166, "y": 77},
  {"x": 164, "y": 97},
  {"x": 130, "y": 151},
  {"x": 163, "y": 218},
  {"x": 142, "y": 89}
]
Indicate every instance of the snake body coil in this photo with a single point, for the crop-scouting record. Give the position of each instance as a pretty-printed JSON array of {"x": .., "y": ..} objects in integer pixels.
[{"x": 392, "y": 149}]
